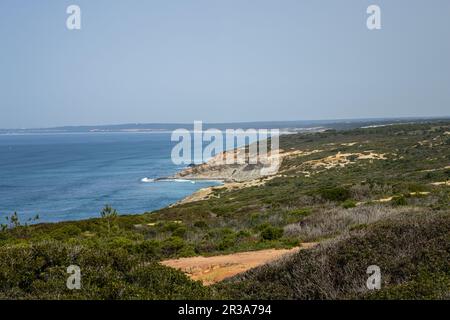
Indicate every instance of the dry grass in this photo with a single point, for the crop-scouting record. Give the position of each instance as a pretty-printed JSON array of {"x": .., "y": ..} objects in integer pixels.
[
  {"x": 411, "y": 248},
  {"x": 330, "y": 222}
]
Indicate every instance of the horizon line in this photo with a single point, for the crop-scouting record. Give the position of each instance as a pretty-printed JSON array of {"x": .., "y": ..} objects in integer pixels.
[{"x": 236, "y": 122}]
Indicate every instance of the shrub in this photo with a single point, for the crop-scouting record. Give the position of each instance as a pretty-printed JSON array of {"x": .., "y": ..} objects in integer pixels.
[
  {"x": 201, "y": 224},
  {"x": 301, "y": 212},
  {"x": 149, "y": 249},
  {"x": 412, "y": 250},
  {"x": 172, "y": 246},
  {"x": 228, "y": 241},
  {"x": 335, "y": 194},
  {"x": 347, "y": 204},
  {"x": 180, "y": 232},
  {"x": 243, "y": 234},
  {"x": 415, "y": 187},
  {"x": 271, "y": 233},
  {"x": 399, "y": 201},
  {"x": 39, "y": 272},
  {"x": 171, "y": 226}
]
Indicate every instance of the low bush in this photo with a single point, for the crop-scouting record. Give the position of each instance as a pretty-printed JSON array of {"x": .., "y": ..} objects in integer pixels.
[
  {"x": 271, "y": 233},
  {"x": 338, "y": 194},
  {"x": 399, "y": 201},
  {"x": 347, "y": 204},
  {"x": 39, "y": 272},
  {"x": 301, "y": 212},
  {"x": 412, "y": 251}
]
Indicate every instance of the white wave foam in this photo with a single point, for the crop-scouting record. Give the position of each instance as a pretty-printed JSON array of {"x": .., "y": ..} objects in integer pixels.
[
  {"x": 147, "y": 180},
  {"x": 183, "y": 180},
  {"x": 177, "y": 180}
]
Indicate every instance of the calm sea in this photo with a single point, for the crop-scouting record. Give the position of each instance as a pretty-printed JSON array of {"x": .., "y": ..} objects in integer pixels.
[{"x": 72, "y": 176}]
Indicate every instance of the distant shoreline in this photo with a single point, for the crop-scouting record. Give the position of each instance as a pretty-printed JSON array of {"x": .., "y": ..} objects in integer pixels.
[{"x": 169, "y": 127}]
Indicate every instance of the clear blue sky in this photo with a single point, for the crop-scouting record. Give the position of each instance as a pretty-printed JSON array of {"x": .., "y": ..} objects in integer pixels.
[{"x": 221, "y": 61}]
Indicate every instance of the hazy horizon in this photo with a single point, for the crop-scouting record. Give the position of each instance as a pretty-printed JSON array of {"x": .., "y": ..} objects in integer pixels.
[
  {"x": 221, "y": 62},
  {"x": 306, "y": 121}
]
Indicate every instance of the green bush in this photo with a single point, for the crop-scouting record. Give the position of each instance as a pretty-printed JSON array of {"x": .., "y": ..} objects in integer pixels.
[
  {"x": 149, "y": 249},
  {"x": 416, "y": 187},
  {"x": 271, "y": 233},
  {"x": 347, "y": 204},
  {"x": 228, "y": 241},
  {"x": 180, "y": 232},
  {"x": 39, "y": 272},
  {"x": 335, "y": 194},
  {"x": 425, "y": 286},
  {"x": 172, "y": 246},
  {"x": 65, "y": 231},
  {"x": 301, "y": 212},
  {"x": 201, "y": 224},
  {"x": 399, "y": 201},
  {"x": 171, "y": 226}
]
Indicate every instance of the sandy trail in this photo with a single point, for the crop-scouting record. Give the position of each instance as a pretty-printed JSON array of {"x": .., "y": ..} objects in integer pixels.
[{"x": 210, "y": 270}]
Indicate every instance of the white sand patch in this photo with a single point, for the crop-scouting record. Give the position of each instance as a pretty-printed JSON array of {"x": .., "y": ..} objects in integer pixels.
[
  {"x": 343, "y": 159},
  {"x": 441, "y": 183},
  {"x": 388, "y": 199}
]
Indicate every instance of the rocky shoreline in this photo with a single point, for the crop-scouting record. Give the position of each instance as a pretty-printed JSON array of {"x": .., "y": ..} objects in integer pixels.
[{"x": 233, "y": 176}]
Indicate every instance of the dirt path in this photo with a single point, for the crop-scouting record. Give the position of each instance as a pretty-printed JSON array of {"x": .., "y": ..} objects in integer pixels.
[{"x": 210, "y": 270}]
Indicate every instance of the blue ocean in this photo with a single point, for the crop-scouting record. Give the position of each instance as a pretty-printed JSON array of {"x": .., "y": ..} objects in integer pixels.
[{"x": 72, "y": 176}]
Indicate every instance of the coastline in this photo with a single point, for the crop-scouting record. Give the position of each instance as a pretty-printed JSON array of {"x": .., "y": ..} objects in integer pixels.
[{"x": 249, "y": 175}]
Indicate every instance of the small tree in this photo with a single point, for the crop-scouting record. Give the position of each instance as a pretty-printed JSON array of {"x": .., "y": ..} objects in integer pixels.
[
  {"x": 108, "y": 214},
  {"x": 13, "y": 220}
]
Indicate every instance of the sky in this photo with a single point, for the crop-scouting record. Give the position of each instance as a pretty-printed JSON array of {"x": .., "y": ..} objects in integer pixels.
[{"x": 145, "y": 61}]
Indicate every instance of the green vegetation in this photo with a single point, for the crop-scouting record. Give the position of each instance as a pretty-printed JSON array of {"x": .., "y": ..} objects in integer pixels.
[
  {"x": 399, "y": 201},
  {"x": 347, "y": 204},
  {"x": 412, "y": 251},
  {"x": 38, "y": 271},
  {"x": 335, "y": 194},
  {"x": 340, "y": 204},
  {"x": 271, "y": 233}
]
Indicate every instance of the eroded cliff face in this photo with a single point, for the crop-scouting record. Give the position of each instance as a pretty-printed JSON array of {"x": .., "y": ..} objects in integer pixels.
[
  {"x": 237, "y": 175},
  {"x": 237, "y": 165},
  {"x": 226, "y": 173}
]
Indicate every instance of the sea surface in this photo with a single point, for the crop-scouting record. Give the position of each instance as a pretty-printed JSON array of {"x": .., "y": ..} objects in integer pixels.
[{"x": 72, "y": 176}]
